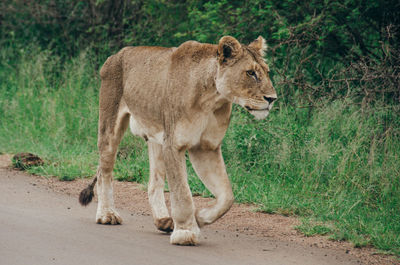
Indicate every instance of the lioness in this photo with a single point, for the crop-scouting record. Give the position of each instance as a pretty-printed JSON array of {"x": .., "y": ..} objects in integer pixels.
[{"x": 178, "y": 99}]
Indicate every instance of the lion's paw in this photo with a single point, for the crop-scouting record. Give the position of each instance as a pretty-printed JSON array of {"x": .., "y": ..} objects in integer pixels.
[
  {"x": 109, "y": 218},
  {"x": 165, "y": 224},
  {"x": 185, "y": 237}
]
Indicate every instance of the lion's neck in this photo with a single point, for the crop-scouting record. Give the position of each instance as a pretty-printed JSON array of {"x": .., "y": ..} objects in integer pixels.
[{"x": 206, "y": 97}]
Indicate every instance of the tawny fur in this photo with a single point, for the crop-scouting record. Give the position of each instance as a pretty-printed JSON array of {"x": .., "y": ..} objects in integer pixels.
[{"x": 178, "y": 99}]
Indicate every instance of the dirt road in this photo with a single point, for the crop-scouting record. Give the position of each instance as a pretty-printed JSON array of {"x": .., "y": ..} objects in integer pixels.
[{"x": 40, "y": 226}]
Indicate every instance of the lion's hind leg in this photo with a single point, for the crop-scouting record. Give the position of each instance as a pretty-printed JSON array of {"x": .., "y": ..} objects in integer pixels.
[
  {"x": 162, "y": 219},
  {"x": 108, "y": 144},
  {"x": 113, "y": 121}
]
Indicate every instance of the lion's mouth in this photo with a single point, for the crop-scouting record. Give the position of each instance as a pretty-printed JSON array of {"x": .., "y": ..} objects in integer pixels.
[{"x": 251, "y": 109}]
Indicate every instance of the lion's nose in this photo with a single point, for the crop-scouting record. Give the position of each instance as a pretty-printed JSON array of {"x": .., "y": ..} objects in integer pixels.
[{"x": 270, "y": 99}]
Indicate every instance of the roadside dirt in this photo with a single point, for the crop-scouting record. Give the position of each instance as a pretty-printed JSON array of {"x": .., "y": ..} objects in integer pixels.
[{"x": 240, "y": 220}]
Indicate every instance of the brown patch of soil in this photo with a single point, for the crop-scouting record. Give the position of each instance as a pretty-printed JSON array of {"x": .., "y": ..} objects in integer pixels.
[{"x": 241, "y": 219}]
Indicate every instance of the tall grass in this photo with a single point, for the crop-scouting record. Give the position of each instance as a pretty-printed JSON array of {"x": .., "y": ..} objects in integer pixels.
[
  {"x": 49, "y": 107},
  {"x": 337, "y": 166}
]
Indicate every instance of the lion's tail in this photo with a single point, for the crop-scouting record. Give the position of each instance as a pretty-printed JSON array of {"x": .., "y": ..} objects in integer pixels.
[{"x": 87, "y": 194}]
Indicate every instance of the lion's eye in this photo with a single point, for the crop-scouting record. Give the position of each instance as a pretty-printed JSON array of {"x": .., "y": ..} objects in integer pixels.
[{"x": 251, "y": 73}]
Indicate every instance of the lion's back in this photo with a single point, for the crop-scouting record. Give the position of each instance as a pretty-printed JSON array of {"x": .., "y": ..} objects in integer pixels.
[{"x": 136, "y": 59}]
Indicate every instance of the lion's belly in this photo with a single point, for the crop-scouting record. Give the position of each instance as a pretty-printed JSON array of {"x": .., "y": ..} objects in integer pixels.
[
  {"x": 149, "y": 133},
  {"x": 186, "y": 134},
  {"x": 202, "y": 130}
]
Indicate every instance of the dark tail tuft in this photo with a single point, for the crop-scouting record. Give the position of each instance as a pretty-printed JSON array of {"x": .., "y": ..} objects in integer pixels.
[{"x": 87, "y": 194}]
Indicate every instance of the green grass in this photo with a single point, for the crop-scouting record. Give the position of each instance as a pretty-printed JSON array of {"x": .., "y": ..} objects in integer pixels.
[{"x": 337, "y": 167}]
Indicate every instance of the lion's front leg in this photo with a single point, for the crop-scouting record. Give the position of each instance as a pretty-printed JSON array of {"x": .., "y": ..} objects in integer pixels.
[
  {"x": 210, "y": 167},
  {"x": 186, "y": 230}
]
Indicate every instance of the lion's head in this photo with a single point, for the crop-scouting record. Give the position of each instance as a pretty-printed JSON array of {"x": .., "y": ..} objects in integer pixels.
[{"x": 243, "y": 76}]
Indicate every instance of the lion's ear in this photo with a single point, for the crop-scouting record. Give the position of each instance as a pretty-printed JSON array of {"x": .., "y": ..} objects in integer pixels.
[
  {"x": 228, "y": 48},
  {"x": 259, "y": 45}
]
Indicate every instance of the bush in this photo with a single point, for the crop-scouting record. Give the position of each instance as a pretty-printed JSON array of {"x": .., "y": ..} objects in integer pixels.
[{"x": 317, "y": 49}]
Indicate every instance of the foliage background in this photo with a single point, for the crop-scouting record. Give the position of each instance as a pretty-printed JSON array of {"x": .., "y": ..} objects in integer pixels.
[{"x": 329, "y": 151}]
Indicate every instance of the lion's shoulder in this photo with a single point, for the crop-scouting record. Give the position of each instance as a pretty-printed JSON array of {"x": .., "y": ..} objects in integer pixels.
[{"x": 193, "y": 51}]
